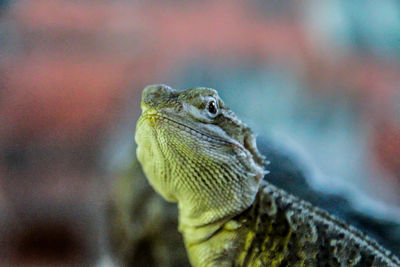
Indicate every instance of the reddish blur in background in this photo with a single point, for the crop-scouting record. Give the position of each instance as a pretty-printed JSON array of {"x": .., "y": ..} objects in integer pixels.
[{"x": 325, "y": 74}]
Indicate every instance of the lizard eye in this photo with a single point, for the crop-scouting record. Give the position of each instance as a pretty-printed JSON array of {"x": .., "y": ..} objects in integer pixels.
[{"x": 212, "y": 107}]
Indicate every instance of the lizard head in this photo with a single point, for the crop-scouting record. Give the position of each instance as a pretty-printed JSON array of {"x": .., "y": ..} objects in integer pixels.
[{"x": 196, "y": 151}]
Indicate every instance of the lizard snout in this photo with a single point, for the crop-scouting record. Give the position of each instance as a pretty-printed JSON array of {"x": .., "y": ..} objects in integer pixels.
[{"x": 153, "y": 93}]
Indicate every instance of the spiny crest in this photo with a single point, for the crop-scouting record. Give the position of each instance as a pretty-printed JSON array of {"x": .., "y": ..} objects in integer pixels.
[{"x": 238, "y": 130}]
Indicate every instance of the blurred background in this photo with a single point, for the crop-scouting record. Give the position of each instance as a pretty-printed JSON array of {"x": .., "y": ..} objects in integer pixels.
[{"x": 320, "y": 77}]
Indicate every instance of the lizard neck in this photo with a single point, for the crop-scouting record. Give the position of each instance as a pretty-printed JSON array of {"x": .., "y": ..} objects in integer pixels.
[
  {"x": 204, "y": 213},
  {"x": 206, "y": 243}
]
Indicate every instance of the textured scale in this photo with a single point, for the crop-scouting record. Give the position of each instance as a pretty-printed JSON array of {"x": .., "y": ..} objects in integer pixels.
[
  {"x": 208, "y": 163},
  {"x": 285, "y": 231}
]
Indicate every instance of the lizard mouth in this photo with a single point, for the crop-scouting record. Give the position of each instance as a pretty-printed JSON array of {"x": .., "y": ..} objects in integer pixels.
[{"x": 184, "y": 127}]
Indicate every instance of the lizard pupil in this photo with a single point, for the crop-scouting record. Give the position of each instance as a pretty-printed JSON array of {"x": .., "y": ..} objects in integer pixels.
[{"x": 212, "y": 107}]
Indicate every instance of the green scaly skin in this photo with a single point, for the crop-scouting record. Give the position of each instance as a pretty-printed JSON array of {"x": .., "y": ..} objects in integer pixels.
[{"x": 196, "y": 152}]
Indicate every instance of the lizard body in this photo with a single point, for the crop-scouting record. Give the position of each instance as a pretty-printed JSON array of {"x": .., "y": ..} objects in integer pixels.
[{"x": 195, "y": 151}]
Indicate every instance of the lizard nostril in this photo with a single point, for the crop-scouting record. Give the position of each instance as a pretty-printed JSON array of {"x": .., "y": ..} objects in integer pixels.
[{"x": 155, "y": 91}]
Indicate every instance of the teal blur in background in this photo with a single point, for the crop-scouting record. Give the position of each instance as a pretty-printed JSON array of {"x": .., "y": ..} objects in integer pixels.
[{"x": 321, "y": 77}]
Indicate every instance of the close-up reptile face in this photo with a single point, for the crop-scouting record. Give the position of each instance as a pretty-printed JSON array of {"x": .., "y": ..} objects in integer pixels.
[{"x": 190, "y": 144}]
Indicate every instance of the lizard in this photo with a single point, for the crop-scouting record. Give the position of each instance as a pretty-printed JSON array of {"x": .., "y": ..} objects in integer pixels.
[
  {"x": 195, "y": 151},
  {"x": 141, "y": 226}
]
